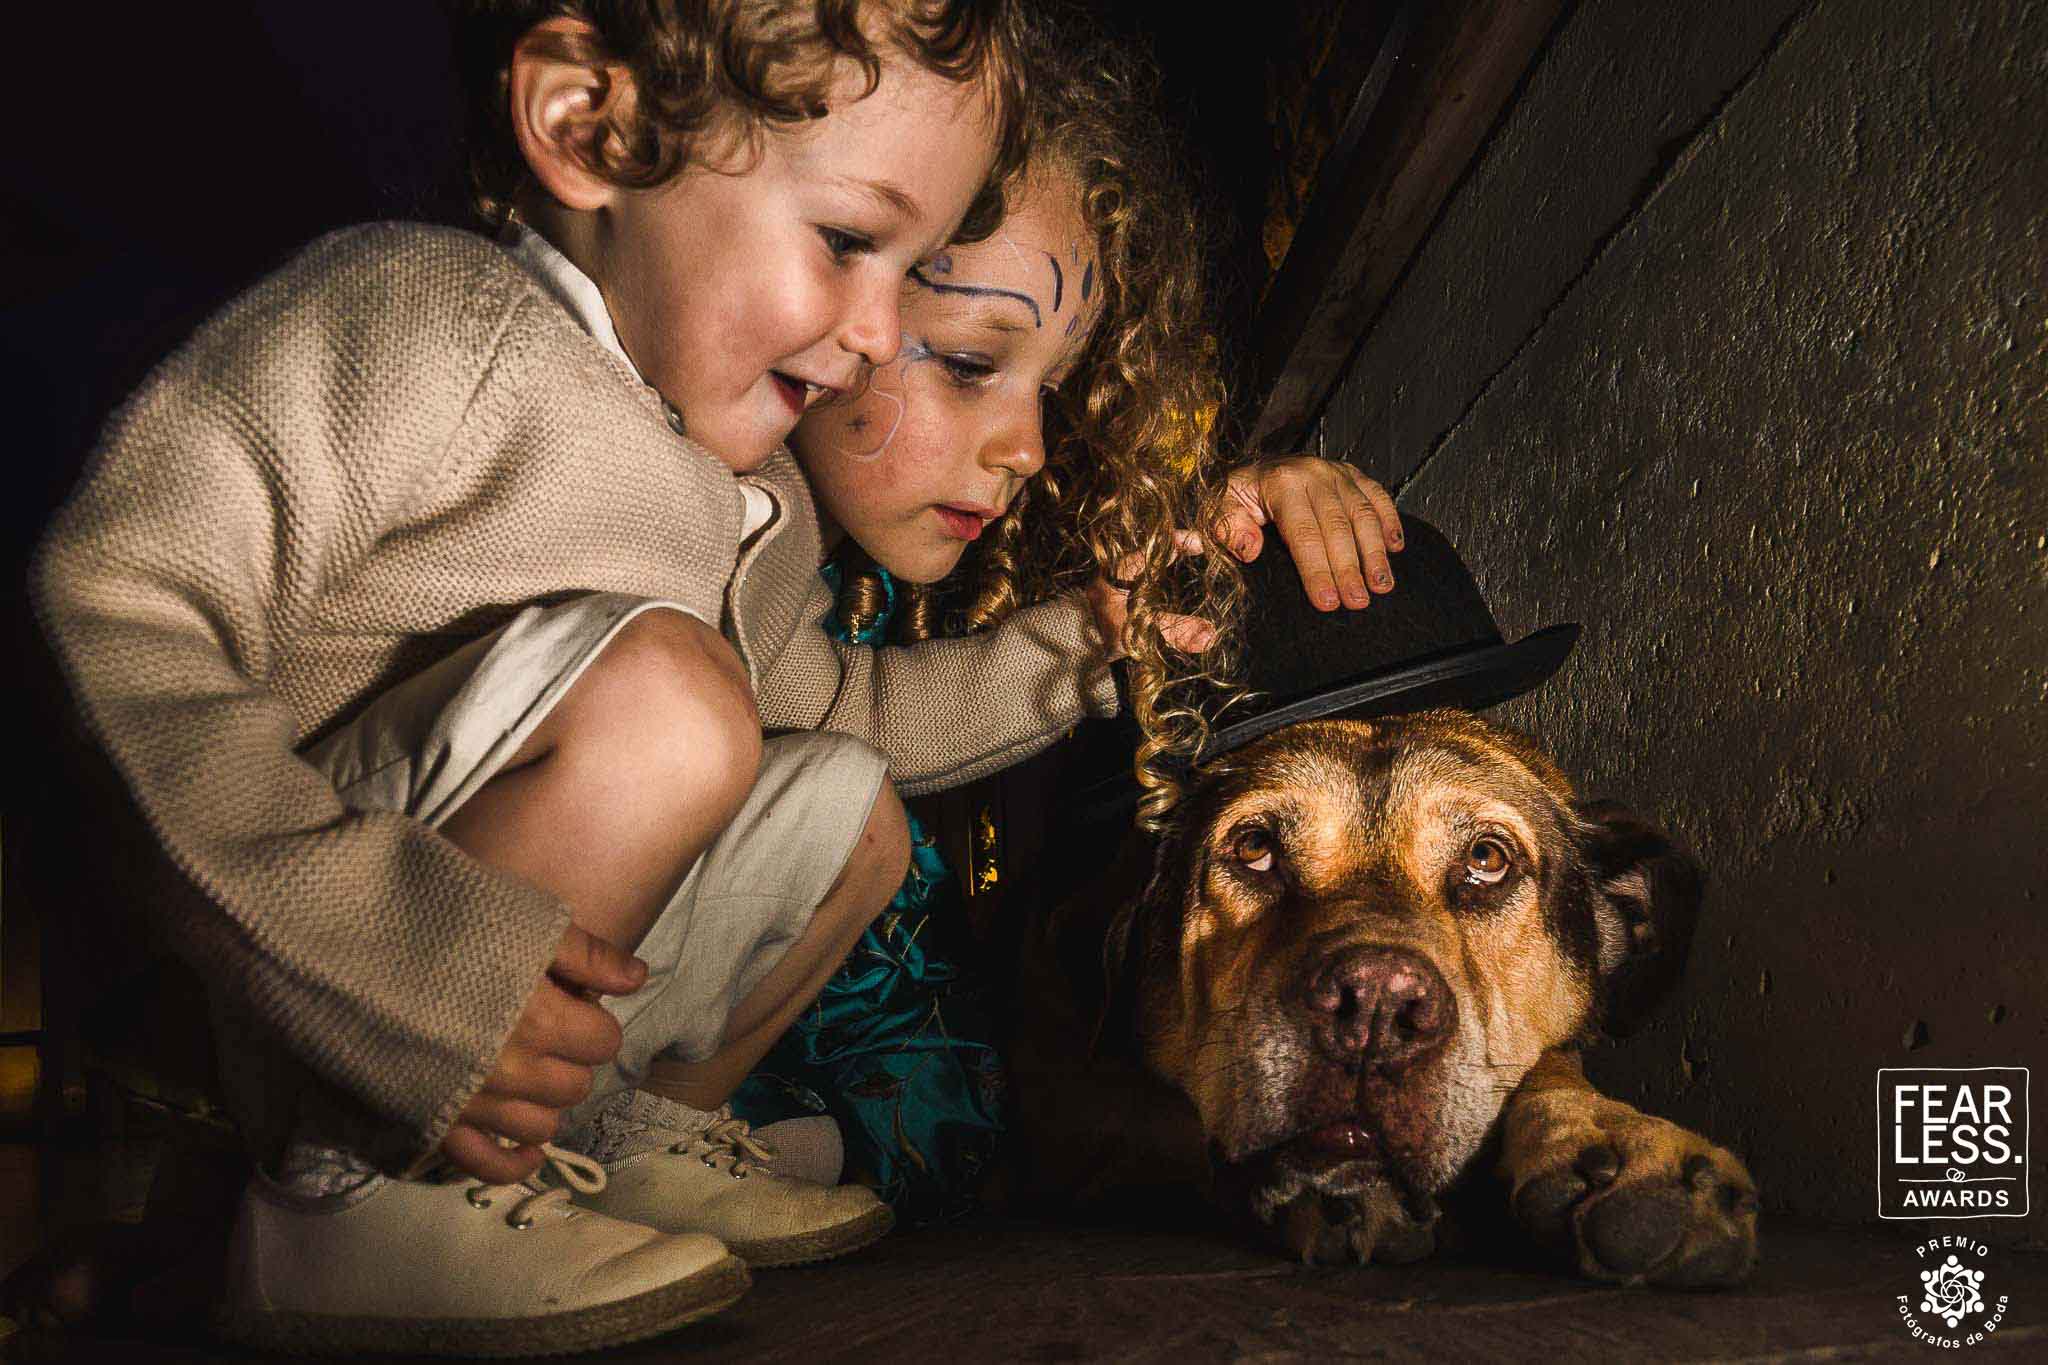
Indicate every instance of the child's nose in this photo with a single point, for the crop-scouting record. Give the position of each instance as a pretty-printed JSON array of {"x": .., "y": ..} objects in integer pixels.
[
  {"x": 874, "y": 326},
  {"x": 1017, "y": 446}
]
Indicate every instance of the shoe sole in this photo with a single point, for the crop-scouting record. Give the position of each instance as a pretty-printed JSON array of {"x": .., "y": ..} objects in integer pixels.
[
  {"x": 710, "y": 1290},
  {"x": 803, "y": 1248}
]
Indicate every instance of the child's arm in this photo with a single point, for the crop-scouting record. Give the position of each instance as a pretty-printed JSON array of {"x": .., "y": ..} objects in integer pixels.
[
  {"x": 949, "y": 711},
  {"x": 946, "y": 711},
  {"x": 223, "y": 493}
]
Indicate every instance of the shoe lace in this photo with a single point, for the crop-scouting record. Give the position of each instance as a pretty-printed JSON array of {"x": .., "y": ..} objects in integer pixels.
[
  {"x": 562, "y": 1174},
  {"x": 727, "y": 1142}
]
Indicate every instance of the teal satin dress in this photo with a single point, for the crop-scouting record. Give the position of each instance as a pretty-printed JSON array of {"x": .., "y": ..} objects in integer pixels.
[{"x": 897, "y": 1046}]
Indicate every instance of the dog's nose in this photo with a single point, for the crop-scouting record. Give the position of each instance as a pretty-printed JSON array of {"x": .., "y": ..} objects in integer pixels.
[{"x": 1382, "y": 1005}]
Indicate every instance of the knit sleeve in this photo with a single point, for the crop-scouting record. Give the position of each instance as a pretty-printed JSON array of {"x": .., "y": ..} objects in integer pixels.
[
  {"x": 251, "y": 464},
  {"x": 945, "y": 711}
]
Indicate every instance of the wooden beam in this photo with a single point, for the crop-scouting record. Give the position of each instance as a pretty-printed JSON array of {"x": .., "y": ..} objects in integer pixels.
[{"x": 1445, "y": 71}]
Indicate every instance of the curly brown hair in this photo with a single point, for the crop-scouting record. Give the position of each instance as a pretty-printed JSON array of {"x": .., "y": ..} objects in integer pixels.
[
  {"x": 1131, "y": 454},
  {"x": 715, "y": 68}
]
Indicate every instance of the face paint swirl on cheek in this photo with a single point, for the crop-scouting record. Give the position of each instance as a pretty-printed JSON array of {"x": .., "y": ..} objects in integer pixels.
[{"x": 858, "y": 439}]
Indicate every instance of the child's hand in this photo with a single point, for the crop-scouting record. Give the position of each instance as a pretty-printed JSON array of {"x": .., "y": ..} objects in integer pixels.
[
  {"x": 1110, "y": 601},
  {"x": 1338, "y": 523},
  {"x": 562, "y": 1035}
]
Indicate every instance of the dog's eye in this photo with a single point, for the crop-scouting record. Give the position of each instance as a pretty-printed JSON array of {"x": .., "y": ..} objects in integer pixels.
[
  {"x": 1254, "y": 849},
  {"x": 1486, "y": 862}
]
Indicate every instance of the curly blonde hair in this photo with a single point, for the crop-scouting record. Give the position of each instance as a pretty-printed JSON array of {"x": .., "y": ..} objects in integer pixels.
[{"x": 1131, "y": 454}]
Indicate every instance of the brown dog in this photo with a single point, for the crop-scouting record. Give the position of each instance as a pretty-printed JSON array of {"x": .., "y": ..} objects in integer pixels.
[{"x": 1354, "y": 978}]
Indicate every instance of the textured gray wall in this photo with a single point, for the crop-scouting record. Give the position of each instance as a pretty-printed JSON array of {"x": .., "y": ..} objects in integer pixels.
[{"x": 1732, "y": 348}]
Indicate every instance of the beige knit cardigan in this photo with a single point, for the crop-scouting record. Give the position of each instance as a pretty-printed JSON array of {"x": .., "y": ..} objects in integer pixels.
[{"x": 385, "y": 449}]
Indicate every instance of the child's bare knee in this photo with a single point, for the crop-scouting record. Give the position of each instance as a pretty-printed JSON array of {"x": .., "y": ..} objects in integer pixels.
[
  {"x": 671, "y": 697},
  {"x": 662, "y": 650}
]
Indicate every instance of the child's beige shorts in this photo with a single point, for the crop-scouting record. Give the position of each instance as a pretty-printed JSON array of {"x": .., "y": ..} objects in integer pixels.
[{"x": 425, "y": 747}]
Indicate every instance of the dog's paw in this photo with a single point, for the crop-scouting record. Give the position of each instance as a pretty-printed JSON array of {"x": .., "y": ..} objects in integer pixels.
[
  {"x": 1629, "y": 1198},
  {"x": 1370, "y": 1228},
  {"x": 1346, "y": 1214}
]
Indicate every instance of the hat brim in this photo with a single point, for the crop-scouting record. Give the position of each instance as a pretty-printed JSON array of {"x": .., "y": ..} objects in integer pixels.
[{"x": 1470, "y": 678}]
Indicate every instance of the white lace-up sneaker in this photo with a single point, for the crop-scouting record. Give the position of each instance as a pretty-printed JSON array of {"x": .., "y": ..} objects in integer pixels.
[
  {"x": 456, "y": 1266},
  {"x": 685, "y": 1170}
]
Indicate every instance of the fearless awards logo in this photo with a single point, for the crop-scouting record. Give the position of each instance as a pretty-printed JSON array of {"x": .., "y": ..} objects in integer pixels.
[{"x": 1952, "y": 1143}]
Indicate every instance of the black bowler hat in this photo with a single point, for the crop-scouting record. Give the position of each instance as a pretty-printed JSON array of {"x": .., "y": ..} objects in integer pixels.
[{"x": 1429, "y": 642}]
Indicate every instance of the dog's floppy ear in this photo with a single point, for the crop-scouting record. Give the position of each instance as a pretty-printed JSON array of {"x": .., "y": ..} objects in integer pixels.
[
  {"x": 1143, "y": 926},
  {"x": 1646, "y": 893}
]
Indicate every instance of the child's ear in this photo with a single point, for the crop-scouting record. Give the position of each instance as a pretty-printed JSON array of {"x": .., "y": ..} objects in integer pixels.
[{"x": 564, "y": 109}]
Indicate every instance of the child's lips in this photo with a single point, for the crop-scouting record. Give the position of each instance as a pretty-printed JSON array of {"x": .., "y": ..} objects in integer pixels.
[
  {"x": 965, "y": 523},
  {"x": 800, "y": 394}
]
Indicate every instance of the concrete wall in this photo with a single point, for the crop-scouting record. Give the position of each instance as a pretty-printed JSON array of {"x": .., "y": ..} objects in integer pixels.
[{"x": 1734, "y": 347}]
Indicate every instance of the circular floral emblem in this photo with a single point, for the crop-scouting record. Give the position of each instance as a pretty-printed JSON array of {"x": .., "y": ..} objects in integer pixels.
[{"x": 1951, "y": 1291}]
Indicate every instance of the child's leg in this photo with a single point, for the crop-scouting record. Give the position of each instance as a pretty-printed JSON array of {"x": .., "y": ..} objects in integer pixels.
[
  {"x": 595, "y": 749},
  {"x": 626, "y": 783},
  {"x": 609, "y": 751},
  {"x": 618, "y": 792},
  {"x": 764, "y": 916},
  {"x": 863, "y": 890},
  {"x": 757, "y": 925}
]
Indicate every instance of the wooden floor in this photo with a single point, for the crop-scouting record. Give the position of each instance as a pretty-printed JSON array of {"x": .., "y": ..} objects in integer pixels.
[{"x": 1033, "y": 1291}]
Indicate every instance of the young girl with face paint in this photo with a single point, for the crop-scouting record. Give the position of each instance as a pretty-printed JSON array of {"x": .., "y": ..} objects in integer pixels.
[{"x": 1048, "y": 420}]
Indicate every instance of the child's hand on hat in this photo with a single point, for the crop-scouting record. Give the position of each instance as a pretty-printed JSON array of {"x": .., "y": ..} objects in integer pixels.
[
  {"x": 562, "y": 1036},
  {"x": 1338, "y": 523},
  {"x": 1109, "y": 598}
]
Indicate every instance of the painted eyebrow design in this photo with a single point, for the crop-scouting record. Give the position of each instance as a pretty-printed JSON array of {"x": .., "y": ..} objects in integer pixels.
[{"x": 918, "y": 277}]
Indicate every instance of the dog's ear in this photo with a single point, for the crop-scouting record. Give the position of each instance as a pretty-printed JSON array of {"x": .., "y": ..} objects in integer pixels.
[
  {"x": 1646, "y": 894},
  {"x": 1144, "y": 926},
  {"x": 1116, "y": 1028}
]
